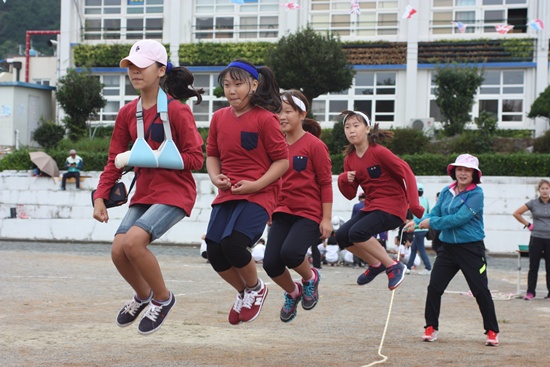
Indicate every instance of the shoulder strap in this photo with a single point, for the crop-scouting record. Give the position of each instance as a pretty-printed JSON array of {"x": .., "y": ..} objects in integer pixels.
[{"x": 467, "y": 206}]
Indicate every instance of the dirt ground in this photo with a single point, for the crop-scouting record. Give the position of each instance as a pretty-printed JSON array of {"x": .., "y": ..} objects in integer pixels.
[{"x": 59, "y": 303}]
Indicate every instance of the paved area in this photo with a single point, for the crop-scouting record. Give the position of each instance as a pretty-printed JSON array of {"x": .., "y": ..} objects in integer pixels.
[{"x": 59, "y": 302}]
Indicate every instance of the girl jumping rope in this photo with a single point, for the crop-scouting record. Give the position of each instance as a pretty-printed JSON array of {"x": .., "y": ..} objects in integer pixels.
[
  {"x": 304, "y": 209},
  {"x": 165, "y": 191},
  {"x": 390, "y": 190},
  {"x": 246, "y": 156}
]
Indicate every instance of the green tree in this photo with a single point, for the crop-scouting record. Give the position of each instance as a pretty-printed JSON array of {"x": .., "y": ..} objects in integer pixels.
[
  {"x": 311, "y": 62},
  {"x": 79, "y": 94},
  {"x": 17, "y": 17},
  {"x": 541, "y": 106},
  {"x": 456, "y": 87},
  {"x": 338, "y": 140}
]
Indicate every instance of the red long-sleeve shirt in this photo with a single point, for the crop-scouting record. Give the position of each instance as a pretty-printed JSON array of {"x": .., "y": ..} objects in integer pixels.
[
  {"x": 387, "y": 181},
  {"x": 307, "y": 183},
  {"x": 157, "y": 185},
  {"x": 247, "y": 145}
]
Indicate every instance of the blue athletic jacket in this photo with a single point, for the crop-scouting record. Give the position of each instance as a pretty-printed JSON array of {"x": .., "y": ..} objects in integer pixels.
[{"x": 459, "y": 217}]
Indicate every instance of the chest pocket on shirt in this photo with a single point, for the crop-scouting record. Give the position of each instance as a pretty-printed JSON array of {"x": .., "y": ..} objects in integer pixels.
[
  {"x": 299, "y": 163},
  {"x": 374, "y": 171},
  {"x": 157, "y": 132},
  {"x": 249, "y": 141}
]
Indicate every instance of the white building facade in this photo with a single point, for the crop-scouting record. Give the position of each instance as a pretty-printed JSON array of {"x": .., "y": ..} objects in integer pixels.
[{"x": 395, "y": 95}]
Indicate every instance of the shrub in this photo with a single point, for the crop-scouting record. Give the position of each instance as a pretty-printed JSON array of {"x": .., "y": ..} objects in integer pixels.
[
  {"x": 18, "y": 160},
  {"x": 542, "y": 143},
  {"x": 48, "y": 134},
  {"x": 407, "y": 141}
]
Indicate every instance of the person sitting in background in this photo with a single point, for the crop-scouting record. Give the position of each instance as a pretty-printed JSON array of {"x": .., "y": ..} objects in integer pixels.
[
  {"x": 73, "y": 165},
  {"x": 258, "y": 251}
]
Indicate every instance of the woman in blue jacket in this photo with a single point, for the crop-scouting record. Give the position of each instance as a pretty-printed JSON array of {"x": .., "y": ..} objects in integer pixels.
[{"x": 458, "y": 214}]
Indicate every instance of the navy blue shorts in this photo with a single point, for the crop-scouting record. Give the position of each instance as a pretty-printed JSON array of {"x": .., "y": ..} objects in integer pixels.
[{"x": 242, "y": 216}]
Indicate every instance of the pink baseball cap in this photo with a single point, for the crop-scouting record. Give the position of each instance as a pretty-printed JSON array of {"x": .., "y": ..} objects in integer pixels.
[
  {"x": 145, "y": 53},
  {"x": 465, "y": 160}
]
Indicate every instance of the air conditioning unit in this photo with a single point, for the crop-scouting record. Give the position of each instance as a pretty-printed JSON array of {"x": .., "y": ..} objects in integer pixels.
[
  {"x": 427, "y": 125},
  {"x": 422, "y": 123}
]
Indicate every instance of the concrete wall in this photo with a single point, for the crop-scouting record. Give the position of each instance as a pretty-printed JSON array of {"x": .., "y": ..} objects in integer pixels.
[{"x": 54, "y": 215}]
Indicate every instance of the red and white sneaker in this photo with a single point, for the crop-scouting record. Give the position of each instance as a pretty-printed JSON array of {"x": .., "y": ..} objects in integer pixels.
[
  {"x": 253, "y": 302},
  {"x": 492, "y": 339},
  {"x": 430, "y": 334},
  {"x": 234, "y": 315}
]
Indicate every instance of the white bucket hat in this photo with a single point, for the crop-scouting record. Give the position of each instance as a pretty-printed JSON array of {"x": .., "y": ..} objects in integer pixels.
[{"x": 465, "y": 160}]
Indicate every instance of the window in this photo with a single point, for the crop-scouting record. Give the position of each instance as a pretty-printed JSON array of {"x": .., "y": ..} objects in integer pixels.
[
  {"x": 502, "y": 94},
  {"x": 372, "y": 93},
  {"x": 123, "y": 19},
  {"x": 479, "y": 16},
  {"x": 378, "y": 17},
  {"x": 254, "y": 20}
]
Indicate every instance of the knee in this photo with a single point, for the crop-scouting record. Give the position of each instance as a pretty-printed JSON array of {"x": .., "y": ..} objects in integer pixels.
[
  {"x": 117, "y": 252},
  {"x": 434, "y": 291},
  {"x": 133, "y": 245},
  {"x": 342, "y": 239},
  {"x": 272, "y": 270}
]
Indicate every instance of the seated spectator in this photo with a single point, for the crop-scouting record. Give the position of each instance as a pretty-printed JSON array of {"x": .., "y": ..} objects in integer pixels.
[{"x": 73, "y": 164}]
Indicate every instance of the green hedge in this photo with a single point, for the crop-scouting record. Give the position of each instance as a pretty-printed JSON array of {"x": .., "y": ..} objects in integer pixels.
[{"x": 517, "y": 164}]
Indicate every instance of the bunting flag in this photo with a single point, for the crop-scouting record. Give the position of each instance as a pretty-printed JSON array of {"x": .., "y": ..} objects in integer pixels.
[
  {"x": 244, "y": 1},
  {"x": 461, "y": 26},
  {"x": 536, "y": 24},
  {"x": 291, "y": 5},
  {"x": 355, "y": 9},
  {"x": 504, "y": 28},
  {"x": 409, "y": 11}
]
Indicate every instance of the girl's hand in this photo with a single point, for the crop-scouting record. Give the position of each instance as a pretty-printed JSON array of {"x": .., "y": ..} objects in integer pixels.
[
  {"x": 351, "y": 176},
  {"x": 222, "y": 182},
  {"x": 409, "y": 227},
  {"x": 244, "y": 187},
  {"x": 100, "y": 211},
  {"x": 325, "y": 228}
]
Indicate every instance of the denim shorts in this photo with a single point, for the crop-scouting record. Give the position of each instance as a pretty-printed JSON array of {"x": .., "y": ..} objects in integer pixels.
[{"x": 154, "y": 219}]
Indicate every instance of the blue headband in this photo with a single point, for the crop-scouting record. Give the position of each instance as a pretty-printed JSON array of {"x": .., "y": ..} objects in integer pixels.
[{"x": 241, "y": 65}]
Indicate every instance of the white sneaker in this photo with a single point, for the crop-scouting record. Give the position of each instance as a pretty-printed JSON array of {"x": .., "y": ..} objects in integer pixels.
[
  {"x": 407, "y": 271},
  {"x": 425, "y": 272}
]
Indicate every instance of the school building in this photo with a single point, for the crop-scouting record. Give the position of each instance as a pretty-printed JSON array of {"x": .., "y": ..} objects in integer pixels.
[{"x": 407, "y": 40}]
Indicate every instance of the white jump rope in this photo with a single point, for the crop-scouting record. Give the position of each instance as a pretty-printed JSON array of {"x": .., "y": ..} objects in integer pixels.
[{"x": 385, "y": 358}]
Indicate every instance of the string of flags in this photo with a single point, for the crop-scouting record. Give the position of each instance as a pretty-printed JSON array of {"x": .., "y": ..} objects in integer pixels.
[
  {"x": 291, "y": 5},
  {"x": 536, "y": 24},
  {"x": 461, "y": 26},
  {"x": 503, "y": 28},
  {"x": 355, "y": 9},
  {"x": 408, "y": 13}
]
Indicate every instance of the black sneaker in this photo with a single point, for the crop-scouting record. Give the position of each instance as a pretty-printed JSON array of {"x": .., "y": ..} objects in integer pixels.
[
  {"x": 369, "y": 274},
  {"x": 290, "y": 308},
  {"x": 155, "y": 315},
  {"x": 311, "y": 291},
  {"x": 129, "y": 313},
  {"x": 396, "y": 274}
]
